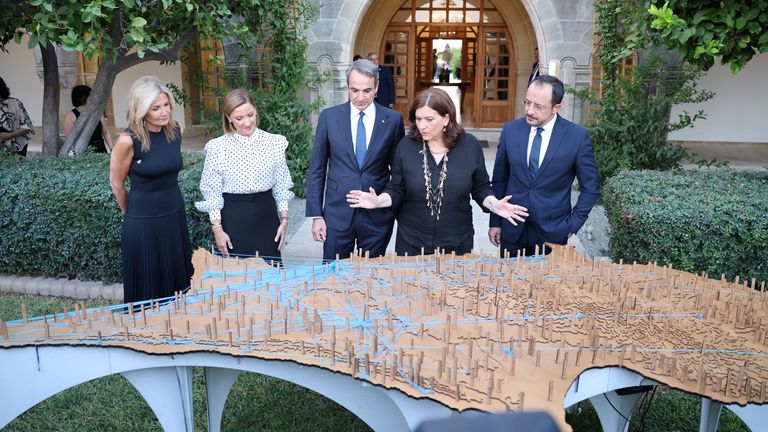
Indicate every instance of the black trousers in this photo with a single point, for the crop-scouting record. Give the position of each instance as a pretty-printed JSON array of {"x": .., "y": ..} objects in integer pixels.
[
  {"x": 526, "y": 244},
  {"x": 363, "y": 232}
]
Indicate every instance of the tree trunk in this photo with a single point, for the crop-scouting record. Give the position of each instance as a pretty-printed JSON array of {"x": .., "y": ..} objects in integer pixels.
[
  {"x": 108, "y": 69},
  {"x": 85, "y": 125},
  {"x": 51, "y": 96}
]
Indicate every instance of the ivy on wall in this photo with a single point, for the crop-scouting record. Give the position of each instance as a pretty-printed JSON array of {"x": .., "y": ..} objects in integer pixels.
[{"x": 631, "y": 121}]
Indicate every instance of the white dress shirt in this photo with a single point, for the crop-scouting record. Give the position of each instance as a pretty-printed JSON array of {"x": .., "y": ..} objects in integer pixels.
[
  {"x": 242, "y": 165},
  {"x": 369, "y": 119},
  {"x": 546, "y": 134}
]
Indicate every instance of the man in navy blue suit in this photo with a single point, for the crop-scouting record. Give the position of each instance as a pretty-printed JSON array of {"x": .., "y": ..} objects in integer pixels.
[
  {"x": 538, "y": 157},
  {"x": 385, "y": 96},
  {"x": 354, "y": 145}
]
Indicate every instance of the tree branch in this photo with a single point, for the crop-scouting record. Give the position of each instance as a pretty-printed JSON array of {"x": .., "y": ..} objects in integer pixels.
[{"x": 169, "y": 54}]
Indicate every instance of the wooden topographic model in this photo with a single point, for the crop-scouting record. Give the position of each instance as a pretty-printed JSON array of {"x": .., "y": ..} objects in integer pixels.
[{"x": 470, "y": 331}]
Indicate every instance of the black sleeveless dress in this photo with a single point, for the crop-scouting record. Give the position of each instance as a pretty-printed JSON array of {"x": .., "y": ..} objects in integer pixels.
[
  {"x": 96, "y": 143},
  {"x": 157, "y": 254}
]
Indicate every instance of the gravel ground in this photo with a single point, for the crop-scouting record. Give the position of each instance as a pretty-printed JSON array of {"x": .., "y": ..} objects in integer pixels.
[{"x": 296, "y": 209}]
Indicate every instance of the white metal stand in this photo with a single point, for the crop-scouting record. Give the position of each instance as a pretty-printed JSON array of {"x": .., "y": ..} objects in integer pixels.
[{"x": 30, "y": 375}]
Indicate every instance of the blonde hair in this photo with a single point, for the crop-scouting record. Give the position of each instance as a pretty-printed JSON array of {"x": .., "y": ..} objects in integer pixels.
[
  {"x": 233, "y": 100},
  {"x": 142, "y": 94}
]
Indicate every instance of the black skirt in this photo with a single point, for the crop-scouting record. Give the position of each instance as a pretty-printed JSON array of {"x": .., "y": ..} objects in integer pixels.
[
  {"x": 251, "y": 221},
  {"x": 157, "y": 256}
]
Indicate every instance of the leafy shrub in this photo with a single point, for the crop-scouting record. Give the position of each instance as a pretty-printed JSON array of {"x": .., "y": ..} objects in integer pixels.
[
  {"x": 630, "y": 120},
  {"x": 284, "y": 77},
  {"x": 61, "y": 220},
  {"x": 713, "y": 221},
  {"x": 630, "y": 130}
]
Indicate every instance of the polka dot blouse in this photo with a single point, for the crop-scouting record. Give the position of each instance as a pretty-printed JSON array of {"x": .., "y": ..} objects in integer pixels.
[{"x": 241, "y": 165}]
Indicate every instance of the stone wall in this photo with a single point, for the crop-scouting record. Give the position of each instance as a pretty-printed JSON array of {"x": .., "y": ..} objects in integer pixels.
[{"x": 562, "y": 29}]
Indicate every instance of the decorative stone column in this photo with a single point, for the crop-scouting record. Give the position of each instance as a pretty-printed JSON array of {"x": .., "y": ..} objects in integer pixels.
[{"x": 68, "y": 69}]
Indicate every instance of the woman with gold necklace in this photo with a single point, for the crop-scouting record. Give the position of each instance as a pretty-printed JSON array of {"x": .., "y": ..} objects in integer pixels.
[{"x": 435, "y": 170}]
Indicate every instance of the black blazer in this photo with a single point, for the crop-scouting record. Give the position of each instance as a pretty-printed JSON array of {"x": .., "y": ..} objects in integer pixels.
[
  {"x": 385, "y": 95},
  {"x": 466, "y": 178}
]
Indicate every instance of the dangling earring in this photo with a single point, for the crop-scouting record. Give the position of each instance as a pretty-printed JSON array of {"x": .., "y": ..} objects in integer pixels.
[{"x": 444, "y": 128}]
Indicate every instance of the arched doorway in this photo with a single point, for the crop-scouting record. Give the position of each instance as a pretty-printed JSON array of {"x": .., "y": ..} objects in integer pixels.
[{"x": 464, "y": 44}]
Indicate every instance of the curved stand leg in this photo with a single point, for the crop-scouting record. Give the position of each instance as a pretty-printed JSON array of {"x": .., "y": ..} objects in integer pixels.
[
  {"x": 218, "y": 383},
  {"x": 30, "y": 375},
  {"x": 168, "y": 391},
  {"x": 370, "y": 403},
  {"x": 614, "y": 410},
  {"x": 416, "y": 414},
  {"x": 710, "y": 415}
]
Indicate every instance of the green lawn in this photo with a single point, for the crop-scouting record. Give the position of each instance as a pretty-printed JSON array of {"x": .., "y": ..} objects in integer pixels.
[{"x": 260, "y": 403}]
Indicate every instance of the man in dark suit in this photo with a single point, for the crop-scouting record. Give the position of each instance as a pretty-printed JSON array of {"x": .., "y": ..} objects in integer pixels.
[
  {"x": 535, "y": 67},
  {"x": 386, "y": 94},
  {"x": 354, "y": 145},
  {"x": 538, "y": 157}
]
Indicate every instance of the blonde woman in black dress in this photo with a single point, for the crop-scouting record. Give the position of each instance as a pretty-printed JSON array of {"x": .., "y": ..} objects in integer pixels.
[
  {"x": 246, "y": 183},
  {"x": 157, "y": 254}
]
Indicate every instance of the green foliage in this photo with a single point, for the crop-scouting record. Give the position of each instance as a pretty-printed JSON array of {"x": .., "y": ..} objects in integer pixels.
[
  {"x": 631, "y": 122},
  {"x": 608, "y": 56},
  {"x": 703, "y": 30},
  {"x": 631, "y": 126},
  {"x": 123, "y": 33},
  {"x": 713, "y": 221},
  {"x": 111, "y": 28},
  {"x": 61, "y": 220},
  {"x": 287, "y": 112},
  {"x": 282, "y": 109},
  {"x": 290, "y": 116}
]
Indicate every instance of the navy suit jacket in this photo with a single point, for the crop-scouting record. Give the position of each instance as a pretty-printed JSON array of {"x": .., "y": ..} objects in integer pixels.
[
  {"x": 386, "y": 92},
  {"x": 547, "y": 195},
  {"x": 333, "y": 170}
]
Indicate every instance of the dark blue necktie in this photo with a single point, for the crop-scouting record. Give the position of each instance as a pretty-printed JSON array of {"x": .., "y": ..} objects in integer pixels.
[
  {"x": 360, "y": 145},
  {"x": 533, "y": 161}
]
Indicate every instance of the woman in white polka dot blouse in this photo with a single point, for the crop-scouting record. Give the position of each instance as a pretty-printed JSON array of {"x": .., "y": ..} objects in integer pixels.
[{"x": 246, "y": 183}]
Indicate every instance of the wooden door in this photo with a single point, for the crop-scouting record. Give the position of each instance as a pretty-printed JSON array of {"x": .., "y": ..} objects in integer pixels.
[
  {"x": 397, "y": 49},
  {"x": 494, "y": 86}
]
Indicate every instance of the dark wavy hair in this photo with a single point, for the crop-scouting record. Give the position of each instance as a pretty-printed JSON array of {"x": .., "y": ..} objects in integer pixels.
[
  {"x": 5, "y": 92},
  {"x": 80, "y": 95},
  {"x": 438, "y": 100}
]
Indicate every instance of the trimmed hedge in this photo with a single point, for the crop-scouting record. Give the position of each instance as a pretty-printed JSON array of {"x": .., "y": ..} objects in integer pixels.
[
  {"x": 59, "y": 218},
  {"x": 713, "y": 221}
]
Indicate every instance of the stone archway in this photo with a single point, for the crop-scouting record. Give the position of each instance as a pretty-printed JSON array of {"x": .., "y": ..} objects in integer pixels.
[{"x": 561, "y": 30}]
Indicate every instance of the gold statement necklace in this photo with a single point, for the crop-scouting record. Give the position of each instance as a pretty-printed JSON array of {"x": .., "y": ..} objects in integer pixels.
[{"x": 434, "y": 198}]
